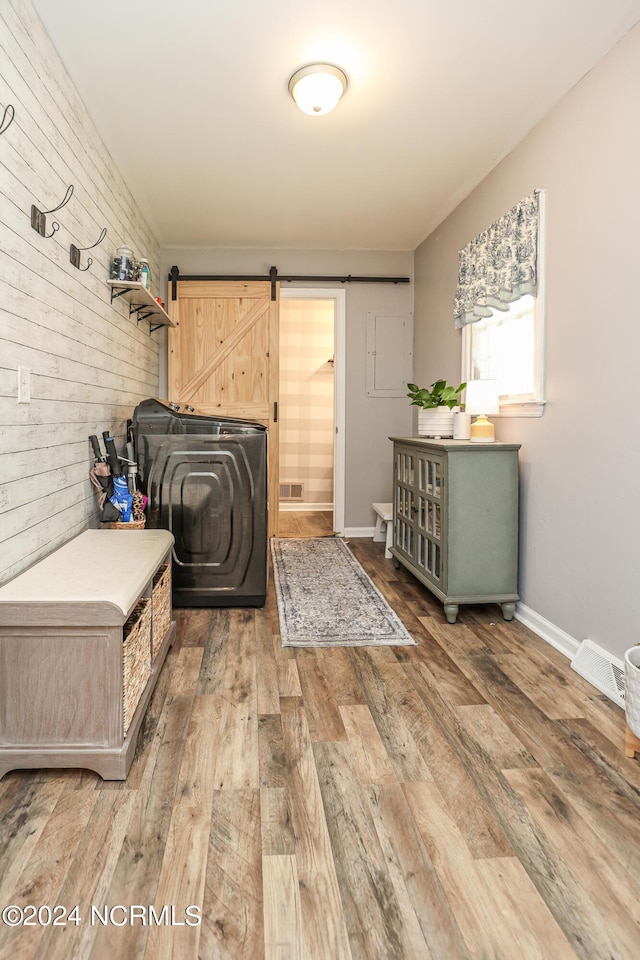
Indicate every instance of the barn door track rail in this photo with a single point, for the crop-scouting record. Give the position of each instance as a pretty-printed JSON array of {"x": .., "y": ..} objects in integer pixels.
[{"x": 273, "y": 277}]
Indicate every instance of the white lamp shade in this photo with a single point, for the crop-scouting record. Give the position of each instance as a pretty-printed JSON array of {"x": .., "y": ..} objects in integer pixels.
[
  {"x": 482, "y": 397},
  {"x": 317, "y": 88}
]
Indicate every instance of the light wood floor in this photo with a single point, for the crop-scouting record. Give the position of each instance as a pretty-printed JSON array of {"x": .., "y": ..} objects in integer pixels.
[
  {"x": 467, "y": 797},
  {"x": 305, "y": 524}
]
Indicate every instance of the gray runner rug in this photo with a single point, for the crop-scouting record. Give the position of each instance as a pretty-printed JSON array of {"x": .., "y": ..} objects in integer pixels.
[{"x": 325, "y": 598}]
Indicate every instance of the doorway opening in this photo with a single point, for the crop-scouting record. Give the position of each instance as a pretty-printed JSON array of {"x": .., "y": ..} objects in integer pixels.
[{"x": 311, "y": 411}]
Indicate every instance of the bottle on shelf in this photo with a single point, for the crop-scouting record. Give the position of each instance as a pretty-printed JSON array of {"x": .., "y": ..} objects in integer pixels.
[{"x": 145, "y": 273}]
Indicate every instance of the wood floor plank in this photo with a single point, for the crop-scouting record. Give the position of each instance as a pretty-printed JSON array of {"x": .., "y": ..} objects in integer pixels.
[
  {"x": 412, "y": 873},
  {"x": 408, "y": 692},
  {"x": 379, "y": 921},
  {"x": 454, "y": 687},
  {"x": 232, "y": 927},
  {"x": 282, "y": 912},
  {"x": 400, "y": 745},
  {"x": 278, "y": 837},
  {"x": 549, "y": 686},
  {"x": 194, "y": 626},
  {"x": 486, "y": 728},
  {"x": 236, "y": 727},
  {"x": 336, "y": 666},
  {"x": 521, "y": 914},
  {"x": 287, "y": 669},
  {"x": 28, "y": 803},
  {"x": 185, "y": 672},
  {"x": 135, "y": 878},
  {"x": 543, "y": 862},
  {"x": 182, "y": 874},
  {"x": 530, "y": 725},
  {"x": 10, "y": 784},
  {"x": 613, "y": 806},
  {"x": 487, "y": 624},
  {"x": 324, "y": 933},
  {"x": 478, "y": 916},
  {"x": 370, "y": 759},
  {"x": 235, "y": 733},
  {"x": 448, "y": 768},
  {"x": 614, "y": 921},
  {"x": 214, "y": 661},
  {"x": 100, "y": 846},
  {"x": 323, "y": 714},
  {"x": 315, "y": 523},
  {"x": 379, "y": 655},
  {"x": 605, "y": 754},
  {"x": 266, "y": 666},
  {"x": 288, "y": 525},
  {"x": 457, "y": 637},
  {"x": 273, "y": 768},
  {"x": 43, "y": 874}
]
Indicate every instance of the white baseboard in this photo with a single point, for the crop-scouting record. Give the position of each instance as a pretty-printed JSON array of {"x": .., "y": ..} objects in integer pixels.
[
  {"x": 548, "y": 631},
  {"x": 358, "y": 532},
  {"x": 297, "y": 506}
]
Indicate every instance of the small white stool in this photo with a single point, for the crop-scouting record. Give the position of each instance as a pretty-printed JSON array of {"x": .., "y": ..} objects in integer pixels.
[{"x": 384, "y": 515}]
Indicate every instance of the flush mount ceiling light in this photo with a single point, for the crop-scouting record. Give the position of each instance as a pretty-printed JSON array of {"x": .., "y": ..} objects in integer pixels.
[{"x": 317, "y": 88}]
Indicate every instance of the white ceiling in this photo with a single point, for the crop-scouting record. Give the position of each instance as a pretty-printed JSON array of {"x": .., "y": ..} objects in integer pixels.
[{"x": 191, "y": 100}]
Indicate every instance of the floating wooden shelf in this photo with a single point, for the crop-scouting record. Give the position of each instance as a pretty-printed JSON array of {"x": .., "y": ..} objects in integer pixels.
[{"x": 141, "y": 302}]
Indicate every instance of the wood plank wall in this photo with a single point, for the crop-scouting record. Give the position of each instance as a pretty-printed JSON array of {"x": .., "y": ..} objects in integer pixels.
[{"x": 90, "y": 363}]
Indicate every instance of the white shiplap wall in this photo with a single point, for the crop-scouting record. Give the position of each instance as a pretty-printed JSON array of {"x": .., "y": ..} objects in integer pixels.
[{"x": 90, "y": 363}]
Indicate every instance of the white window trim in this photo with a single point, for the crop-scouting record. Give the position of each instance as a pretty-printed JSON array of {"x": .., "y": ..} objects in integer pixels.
[{"x": 513, "y": 407}]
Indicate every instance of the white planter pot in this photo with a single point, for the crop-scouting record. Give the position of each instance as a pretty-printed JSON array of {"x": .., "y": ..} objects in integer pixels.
[
  {"x": 632, "y": 689},
  {"x": 436, "y": 423}
]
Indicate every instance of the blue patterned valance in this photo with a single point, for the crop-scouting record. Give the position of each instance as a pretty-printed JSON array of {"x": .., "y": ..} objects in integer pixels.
[{"x": 499, "y": 265}]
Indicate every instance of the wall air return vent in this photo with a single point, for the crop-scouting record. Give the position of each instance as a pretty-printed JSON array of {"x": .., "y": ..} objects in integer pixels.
[
  {"x": 602, "y": 669},
  {"x": 291, "y": 491}
]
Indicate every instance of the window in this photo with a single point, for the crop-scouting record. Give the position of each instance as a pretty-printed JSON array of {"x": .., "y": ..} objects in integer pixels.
[
  {"x": 499, "y": 306},
  {"x": 508, "y": 347}
]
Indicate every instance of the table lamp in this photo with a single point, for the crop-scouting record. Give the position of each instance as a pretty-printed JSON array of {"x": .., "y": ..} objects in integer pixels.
[{"x": 482, "y": 399}]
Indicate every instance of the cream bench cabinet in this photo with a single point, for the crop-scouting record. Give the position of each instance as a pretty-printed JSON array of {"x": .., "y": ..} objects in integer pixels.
[
  {"x": 455, "y": 519},
  {"x": 83, "y": 636}
]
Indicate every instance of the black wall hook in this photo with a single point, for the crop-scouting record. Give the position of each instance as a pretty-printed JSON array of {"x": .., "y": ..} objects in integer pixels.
[
  {"x": 39, "y": 217},
  {"x": 74, "y": 252},
  {"x": 9, "y": 112}
]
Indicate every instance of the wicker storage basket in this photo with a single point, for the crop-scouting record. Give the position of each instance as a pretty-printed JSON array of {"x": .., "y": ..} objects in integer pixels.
[
  {"x": 161, "y": 607},
  {"x": 131, "y": 525},
  {"x": 136, "y": 658}
]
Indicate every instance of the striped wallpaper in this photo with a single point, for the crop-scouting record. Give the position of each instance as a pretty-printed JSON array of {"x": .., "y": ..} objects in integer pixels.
[{"x": 306, "y": 397}]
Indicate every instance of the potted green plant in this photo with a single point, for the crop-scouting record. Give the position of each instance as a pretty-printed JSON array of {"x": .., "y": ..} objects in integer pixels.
[{"x": 436, "y": 407}]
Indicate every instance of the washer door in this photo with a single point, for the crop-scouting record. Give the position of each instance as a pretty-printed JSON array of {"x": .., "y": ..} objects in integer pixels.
[{"x": 203, "y": 490}]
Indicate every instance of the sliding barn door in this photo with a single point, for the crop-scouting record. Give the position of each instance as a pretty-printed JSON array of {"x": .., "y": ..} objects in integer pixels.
[{"x": 223, "y": 358}]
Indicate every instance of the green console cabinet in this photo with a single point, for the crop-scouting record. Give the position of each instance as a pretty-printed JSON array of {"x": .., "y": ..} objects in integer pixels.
[{"x": 455, "y": 519}]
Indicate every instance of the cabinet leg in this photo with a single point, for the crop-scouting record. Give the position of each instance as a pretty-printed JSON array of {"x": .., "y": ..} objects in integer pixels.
[
  {"x": 631, "y": 743},
  {"x": 508, "y": 610},
  {"x": 451, "y": 612},
  {"x": 396, "y": 563}
]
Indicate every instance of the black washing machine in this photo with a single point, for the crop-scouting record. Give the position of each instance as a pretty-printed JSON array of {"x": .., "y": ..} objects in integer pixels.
[{"x": 206, "y": 480}]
